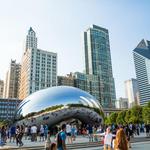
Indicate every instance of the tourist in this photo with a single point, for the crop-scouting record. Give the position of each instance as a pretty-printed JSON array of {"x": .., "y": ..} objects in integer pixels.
[
  {"x": 121, "y": 142},
  {"x": 41, "y": 133},
  {"x": 45, "y": 131},
  {"x": 19, "y": 136},
  {"x": 48, "y": 142},
  {"x": 147, "y": 127},
  {"x": 68, "y": 132},
  {"x": 73, "y": 130},
  {"x": 53, "y": 146},
  {"x": 33, "y": 133},
  {"x": 3, "y": 134},
  {"x": 26, "y": 132},
  {"x": 90, "y": 133},
  {"x": 61, "y": 138},
  {"x": 108, "y": 137}
]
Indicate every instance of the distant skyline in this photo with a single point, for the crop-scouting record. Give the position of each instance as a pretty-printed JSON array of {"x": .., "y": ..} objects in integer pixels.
[{"x": 59, "y": 26}]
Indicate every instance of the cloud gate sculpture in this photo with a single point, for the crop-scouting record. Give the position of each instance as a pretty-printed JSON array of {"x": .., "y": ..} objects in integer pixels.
[{"x": 56, "y": 104}]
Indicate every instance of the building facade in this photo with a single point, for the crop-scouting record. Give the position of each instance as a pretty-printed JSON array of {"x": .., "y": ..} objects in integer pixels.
[
  {"x": 132, "y": 92},
  {"x": 122, "y": 103},
  {"x": 87, "y": 82},
  {"x": 1, "y": 88},
  {"x": 11, "y": 84},
  {"x": 31, "y": 40},
  {"x": 141, "y": 55},
  {"x": 98, "y": 62},
  {"x": 38, "y": 67},
  {"x": 8, "y": 108},
  {"x": 66, "y": 80}
]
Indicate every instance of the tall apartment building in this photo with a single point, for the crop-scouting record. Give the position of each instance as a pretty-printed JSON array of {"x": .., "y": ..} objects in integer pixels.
[
  {"x": 98, "y": 62},
  {"x": 1, "y": 88},
  {"x": 11, "y": 84},
  {"x": 38, "y": 67},
  {"x": 141, "y": 55},
  {"x": 132, "y": 92}
]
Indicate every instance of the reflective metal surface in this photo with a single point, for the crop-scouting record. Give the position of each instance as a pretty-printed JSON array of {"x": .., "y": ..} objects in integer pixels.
[{"x": 56, "y": 104}]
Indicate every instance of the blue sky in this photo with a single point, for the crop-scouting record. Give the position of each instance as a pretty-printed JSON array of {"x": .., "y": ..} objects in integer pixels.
[{"x": 59, "y": 25}]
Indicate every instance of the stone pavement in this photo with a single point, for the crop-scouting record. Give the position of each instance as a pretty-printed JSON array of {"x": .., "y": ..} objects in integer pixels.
[
  {"x": 80, "y": 139},
  {"x": 135, "y": 146}
]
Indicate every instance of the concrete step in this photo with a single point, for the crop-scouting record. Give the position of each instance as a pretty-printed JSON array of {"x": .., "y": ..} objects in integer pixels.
[{"x": 76, "y": 145}]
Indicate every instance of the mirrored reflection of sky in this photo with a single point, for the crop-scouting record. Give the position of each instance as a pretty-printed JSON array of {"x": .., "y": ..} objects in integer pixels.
[
  {"x": 61, "y": 95},
  {"x": 59, "y": 25}
]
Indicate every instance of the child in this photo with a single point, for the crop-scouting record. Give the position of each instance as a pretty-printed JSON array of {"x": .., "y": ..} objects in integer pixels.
[{"x": 53, "y": 146}]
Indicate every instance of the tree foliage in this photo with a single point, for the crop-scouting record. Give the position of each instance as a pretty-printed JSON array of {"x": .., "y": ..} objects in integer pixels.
[
  {"x": 121, "y": 117},
  {"x": 113, "y": 117},
  {"x": 136, "y": 114},
  {"x": 128, "y": 116},
  {"x": 146, "y": 113}
]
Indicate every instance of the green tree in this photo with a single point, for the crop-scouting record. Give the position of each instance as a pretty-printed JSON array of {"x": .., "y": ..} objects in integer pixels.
[
  {"x": 112, "y": 117},
  {"x": 148, "y": 105},
  {"x": 121, "y": 117},
  {"x": 146, "y": 113},
  {"x": 128, "y": 116},
  {"x": 4, "y": 122},
  {"x": 107, "y": 121},
  {"x": 136, "y": 114}
]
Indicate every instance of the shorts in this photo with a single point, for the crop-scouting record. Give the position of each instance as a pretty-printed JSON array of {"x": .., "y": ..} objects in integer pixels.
[{"x": 69, "y": 134}]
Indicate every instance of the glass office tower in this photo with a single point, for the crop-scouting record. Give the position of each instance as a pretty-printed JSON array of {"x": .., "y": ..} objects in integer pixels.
[
  {"x": 98, "y": 62},
  {"x": 141, "y": 56}
]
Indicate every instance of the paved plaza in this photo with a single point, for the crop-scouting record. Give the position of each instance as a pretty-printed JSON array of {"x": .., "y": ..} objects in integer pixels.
[
  {"x": 145, "y": 145},
  {"x": 135, "y": 146}
]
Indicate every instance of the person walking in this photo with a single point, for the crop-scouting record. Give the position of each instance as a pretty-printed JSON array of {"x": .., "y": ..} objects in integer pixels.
[
  {"x": 18, "y": 136},
  {"x": 61, "y": 138},
  {"x": 34, "y": 133},
  {"x": 41, "y": 133},
  {"x": 121, "y": 142},
  {"x": 3, "y": 134},
  {"x": 68, "y": 131}
]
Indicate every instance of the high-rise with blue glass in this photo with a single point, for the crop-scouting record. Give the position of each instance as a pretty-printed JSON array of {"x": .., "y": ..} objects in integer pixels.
[
  {"x": 98, "y": 62},
  {"x": 141, "y": 56}
]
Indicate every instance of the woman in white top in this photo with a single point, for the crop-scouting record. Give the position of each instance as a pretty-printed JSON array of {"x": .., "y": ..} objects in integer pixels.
[{"x": 108, "y": 136}]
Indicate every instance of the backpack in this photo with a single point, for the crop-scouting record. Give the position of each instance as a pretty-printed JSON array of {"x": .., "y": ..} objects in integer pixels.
[{"x": 59, "y": 140}]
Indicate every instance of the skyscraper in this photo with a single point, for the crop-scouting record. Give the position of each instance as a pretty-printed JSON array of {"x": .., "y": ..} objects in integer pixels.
[
  {"x": 98, "y": 62},
  {"x": 141, "y": 56},
  {"x": 38, "y": 67},
  {"x": 11, "y": 84},
  {"x": 1, "y": 88},
  {"x": 132, "y": 92},
  {"x": 31, "y": 39}
]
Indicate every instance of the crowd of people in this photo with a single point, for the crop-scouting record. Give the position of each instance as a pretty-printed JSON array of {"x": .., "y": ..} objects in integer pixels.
[{"x": 112, "y": 136}]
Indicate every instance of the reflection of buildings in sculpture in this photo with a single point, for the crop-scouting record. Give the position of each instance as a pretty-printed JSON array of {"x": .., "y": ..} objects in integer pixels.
[{"x": 59, "y": 104}]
